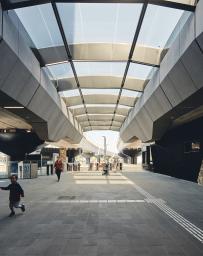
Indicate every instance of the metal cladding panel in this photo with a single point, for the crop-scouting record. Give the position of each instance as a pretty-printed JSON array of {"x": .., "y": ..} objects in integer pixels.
[
  {"x": 59, "y": 127},
  {"x": 180, "y": 77},
  {"x": 135, "y": 110},
  {"x": 8, "y": 61},
  {"x": 146, "y": 124},
  {"x": 131, "y": 131},
  {"x": 158, "y": 104},
  {"x": 23, "y": 81},
  {"x": 41, "y": 129},
  {"x": 170, "y": 59},
  {"x": 28, "y": 59},
  {"x": 199, "y": 23},
  {"x": 182, "y": 81},
  {"x": 1, "y": 25},
  {"x": 49, "y": 87},
  {"x": 42, "y": 105},
  {"x": 19, "y": 79},
  {"x": 187, "y": 34},
  {"x": 170, "y": 91},
  {"x": 151, "y": 86},
  {"x": 193, "y": 62},
  {"x": 10, "y": 33}
]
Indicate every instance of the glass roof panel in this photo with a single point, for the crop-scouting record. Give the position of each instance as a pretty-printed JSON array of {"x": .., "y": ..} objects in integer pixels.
[
  {"x": 139, "y": 71},
  {"x": 60, "y": 71},
  {"x": 70, "y": 93},
  {"x": 41, "y": 25},
  {"x": 99, "y": 22},
  {"x": 158, "y": 24},
  {"x": 75, "y": 92},
  {"x": 100, "y": 68},
  {"x": 129, "y": 93}
]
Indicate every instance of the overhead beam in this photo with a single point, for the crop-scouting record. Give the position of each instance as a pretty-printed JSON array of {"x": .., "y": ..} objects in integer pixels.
[
  {"x": 111, "y": 52},
  {"x": 100, "y": 110},
  {"x": 92, "y": 99},
  {"x": 69, "y": 57},
  {"x": 171, "y": 4},
  {"x": 136, "y": 35},
  {"x": 101, "y": 82}
]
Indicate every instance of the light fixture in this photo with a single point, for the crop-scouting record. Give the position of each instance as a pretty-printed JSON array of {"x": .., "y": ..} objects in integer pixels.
[{"x": 13, "y": 107}]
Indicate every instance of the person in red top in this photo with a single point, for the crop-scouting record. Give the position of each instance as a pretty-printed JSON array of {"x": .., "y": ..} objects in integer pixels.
[{"x": 58, "y": 168}]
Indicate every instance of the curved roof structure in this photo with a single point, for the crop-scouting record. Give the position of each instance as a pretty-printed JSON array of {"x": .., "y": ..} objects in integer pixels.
[{"x": 100, "y": 55}]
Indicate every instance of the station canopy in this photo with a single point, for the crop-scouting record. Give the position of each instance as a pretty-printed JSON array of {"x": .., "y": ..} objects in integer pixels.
[{"x": 101, "y": 54}]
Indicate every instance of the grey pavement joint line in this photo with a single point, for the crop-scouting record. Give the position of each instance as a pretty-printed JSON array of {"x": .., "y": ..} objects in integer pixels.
[
  {"x": 96, "y": 201},
  {"x": 183, "y": 222}
]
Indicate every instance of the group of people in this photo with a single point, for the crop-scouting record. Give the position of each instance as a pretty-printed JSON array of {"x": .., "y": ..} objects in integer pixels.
[{"x": 16, "y": 191}]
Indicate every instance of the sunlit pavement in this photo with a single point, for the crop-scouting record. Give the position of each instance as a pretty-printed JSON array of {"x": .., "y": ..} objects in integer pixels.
[{"x": 129, "y": 213}]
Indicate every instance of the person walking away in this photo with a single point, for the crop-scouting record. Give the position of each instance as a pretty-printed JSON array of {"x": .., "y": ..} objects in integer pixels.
[
  {"x": 58, "y": 168},
  {"x": 16, "y": 192},
  {"x": 106, "y": 169}
]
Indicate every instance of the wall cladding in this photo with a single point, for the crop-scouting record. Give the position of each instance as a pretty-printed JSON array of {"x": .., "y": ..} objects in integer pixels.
[
  {"x": 180, "y": 77},
  {"x": 23, "y": 80}
]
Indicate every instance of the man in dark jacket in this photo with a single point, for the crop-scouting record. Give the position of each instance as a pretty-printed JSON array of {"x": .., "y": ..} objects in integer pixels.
[{"x": 16, "y": 192}]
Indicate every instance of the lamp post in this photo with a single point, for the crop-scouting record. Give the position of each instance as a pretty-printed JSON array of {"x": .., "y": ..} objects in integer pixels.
[{"x": 104, "y": 146}]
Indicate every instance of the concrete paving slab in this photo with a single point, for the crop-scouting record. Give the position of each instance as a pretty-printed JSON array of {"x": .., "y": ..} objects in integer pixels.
[{"x": 103, "y": 219}]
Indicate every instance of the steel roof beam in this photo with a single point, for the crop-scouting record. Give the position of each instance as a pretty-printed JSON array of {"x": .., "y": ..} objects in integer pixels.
[
  {"x": 69, "y": 57},
  {"x": 141, "y": 18},
  {"x": 171, "y": 4}
]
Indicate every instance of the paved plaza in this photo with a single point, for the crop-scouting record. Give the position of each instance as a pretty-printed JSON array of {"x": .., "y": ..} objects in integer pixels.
[{"x": 130, "y": 213}]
